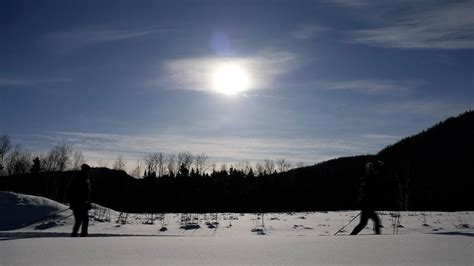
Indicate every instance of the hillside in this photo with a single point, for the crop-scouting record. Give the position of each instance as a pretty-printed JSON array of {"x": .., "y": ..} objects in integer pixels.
[
  {"x": 435, "y": 168},
  {"x": 432, "y": 170},
  {"x": 447, "y": 140}
]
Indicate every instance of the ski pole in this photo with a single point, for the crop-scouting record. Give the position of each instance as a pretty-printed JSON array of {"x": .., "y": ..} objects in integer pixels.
[
  {"x": 398, "y": 222},
  {"x": 342, "y": 228},
  {"x": 64, "y": 218},
  {"x": 46, "y": 217}
]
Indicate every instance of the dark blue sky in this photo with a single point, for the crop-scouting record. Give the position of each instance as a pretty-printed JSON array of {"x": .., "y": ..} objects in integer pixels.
[{"x": 328, "y": 78}]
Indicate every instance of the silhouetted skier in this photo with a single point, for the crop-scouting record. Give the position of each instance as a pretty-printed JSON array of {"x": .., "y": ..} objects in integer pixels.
[
  {"x": 80, "y": 200},
  {"x": 368, "y": 196}
]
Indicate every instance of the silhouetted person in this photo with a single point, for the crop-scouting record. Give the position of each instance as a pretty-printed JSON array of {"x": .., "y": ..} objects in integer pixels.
[
  {"x": 80, "y": 200},
  {"x": 368, "y": 196}
]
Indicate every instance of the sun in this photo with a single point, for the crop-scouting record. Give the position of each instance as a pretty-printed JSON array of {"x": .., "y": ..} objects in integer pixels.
[{"x": 230, "y": 79}]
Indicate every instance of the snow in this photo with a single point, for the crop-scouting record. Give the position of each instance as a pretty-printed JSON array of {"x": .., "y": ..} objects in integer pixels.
[
  {"x": 278, "y": 238},
  {"x": 18, "y": 210},
  {"x": 405, "y": 249}
]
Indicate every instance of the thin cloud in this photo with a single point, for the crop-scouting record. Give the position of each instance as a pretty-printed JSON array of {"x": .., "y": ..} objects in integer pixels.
[
  {"x": 75, "y": 39},
  {"x": 422, "y": 107},
  {"x": 98, "y": 146},
  {"x": 195, "y": 73},
  {"x": 373, "y": 86},
  {"x": 381, "y": 137},
  {"x": 308, "y": 31},
  {"x": 350, "y": 3},
  {"x": 448, "y": 26},
  {"x": 13, "y": 82}
]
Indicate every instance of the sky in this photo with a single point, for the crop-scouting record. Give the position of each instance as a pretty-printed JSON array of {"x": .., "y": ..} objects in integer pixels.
[{"x": 323, "y": 79}]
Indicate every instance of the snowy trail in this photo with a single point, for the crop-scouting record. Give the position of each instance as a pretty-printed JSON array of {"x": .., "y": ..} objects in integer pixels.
[
  {"x": 227, "y": 238},
  {"x": 405, "y": 249}
]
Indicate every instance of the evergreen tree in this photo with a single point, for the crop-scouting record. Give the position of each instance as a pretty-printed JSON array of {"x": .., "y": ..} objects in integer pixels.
[
  {"x": 36, "y": 168},
  {"x": 183, "y": 171},
  {"x": 250, "y": 173}
]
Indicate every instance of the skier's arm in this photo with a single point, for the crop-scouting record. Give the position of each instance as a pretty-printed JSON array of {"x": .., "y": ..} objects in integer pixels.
[
  {"x": 89, "y": 194},
  {"x": 70, "y": 189}
]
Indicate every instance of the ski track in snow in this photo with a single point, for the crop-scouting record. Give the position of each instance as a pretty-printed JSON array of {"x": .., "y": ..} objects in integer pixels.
[{"x": 272, "y": 238}]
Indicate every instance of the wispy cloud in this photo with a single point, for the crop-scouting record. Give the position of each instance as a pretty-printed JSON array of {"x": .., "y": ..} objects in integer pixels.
[
  {"x": 349, "y": 3},
  {"x": 308, "y": 31},
  {"x": 69, "y": 40},
  {"x": 98, "y": 146},
  {"x": 422, "y": 108},
  {"x": 264, "y": 70},
  {"x": 15, "y": 82},
  {"x": 381, "y": 137},
  {"x": 448, "y": 26},
  {"x": 373, "y": 86}
]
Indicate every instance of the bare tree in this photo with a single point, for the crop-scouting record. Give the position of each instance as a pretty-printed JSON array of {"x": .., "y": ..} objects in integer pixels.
[
  {"x": 19, "y": 161},
  {"x": 151, "y": 163},
  {"x": 103, "y": 163},
  {"x": 77, "y": 160},
  {"x": 246, "y": 167},
  {"x": 259, "y": 169},
  {"x": 239, "y": 166},
  {"x": 213, "y": 167},
  {"x": 137, "y": 171},
  {"x": 243, "y": 166},
  {"x": 119, "y": 163},
  {"x": 161, "y": 164},
  {"x": 300, "y": 164},
  {"x": 403, "y": 177},
  {"x": 5, "y": 146},
  {"x": 269, "y": 166},
  {"x": 185, "y": 159},
  {"x": 224, "y": 167},
  {"x": 173, "y": 167},
  {"x": 283, "y": 165},
  {"x": 58, "y": 158},
  {"x": 201, "y": 163}
]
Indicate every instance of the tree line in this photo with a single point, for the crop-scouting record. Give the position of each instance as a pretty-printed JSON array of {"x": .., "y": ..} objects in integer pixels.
[{"x": 17, "y": 160}]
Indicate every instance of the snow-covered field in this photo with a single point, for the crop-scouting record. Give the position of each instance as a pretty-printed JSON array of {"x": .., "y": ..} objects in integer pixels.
[{"x": 227, "y": 238}]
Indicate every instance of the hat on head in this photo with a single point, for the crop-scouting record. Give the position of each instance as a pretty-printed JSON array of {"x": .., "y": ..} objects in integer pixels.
[{"x": 85, "y": 167}]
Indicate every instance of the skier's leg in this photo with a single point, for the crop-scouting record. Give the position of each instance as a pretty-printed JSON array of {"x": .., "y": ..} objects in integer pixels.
[
  {"x": 85, "y": 222},
  {"x": 376, "y": 219},
  {"x": 77, "y": 222},
  {"x": 363, "y": 222}
]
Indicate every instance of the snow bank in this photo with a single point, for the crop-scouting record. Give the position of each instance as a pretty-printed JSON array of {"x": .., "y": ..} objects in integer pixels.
[{"x": 19, "y": 210}]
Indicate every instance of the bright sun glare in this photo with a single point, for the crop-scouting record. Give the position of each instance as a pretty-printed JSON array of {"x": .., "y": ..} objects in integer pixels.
[{"x": 230, "y": 79}]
